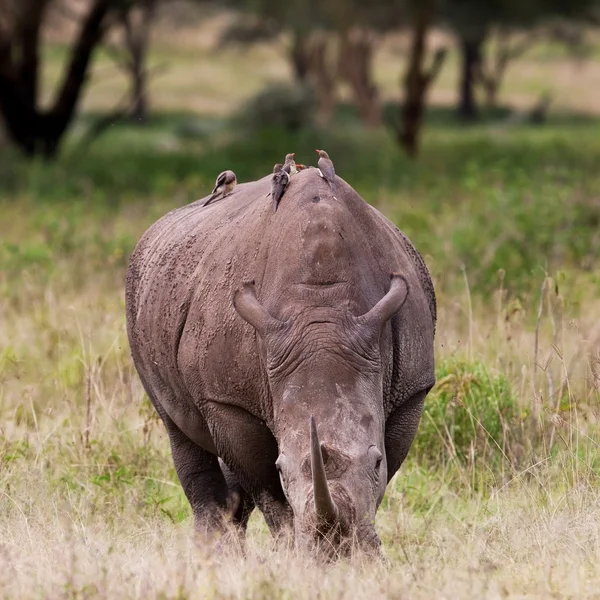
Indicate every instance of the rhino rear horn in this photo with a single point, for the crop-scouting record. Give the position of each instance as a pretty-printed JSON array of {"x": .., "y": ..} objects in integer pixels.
[
  {"x": 391, "y": 303},
  {"x": 252, "y": 311}
]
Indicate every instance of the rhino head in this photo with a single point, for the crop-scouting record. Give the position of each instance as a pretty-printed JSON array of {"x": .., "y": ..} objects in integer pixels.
[{"x": 325, "y": 373}]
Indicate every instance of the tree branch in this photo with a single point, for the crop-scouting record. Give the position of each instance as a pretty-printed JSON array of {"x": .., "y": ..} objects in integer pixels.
[
  {"x": 436, "y": 64},
  {"x": 28, "y": 33},
  {"x": 90, "y": 35}
]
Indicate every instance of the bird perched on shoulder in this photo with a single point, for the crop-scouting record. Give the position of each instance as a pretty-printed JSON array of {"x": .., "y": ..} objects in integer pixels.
[
  {"x": 326, "y": 168},
  {"x": 290, "y": 164},
  {"x": 279, "y": 183},
  {"x": 224, "y": 185}
]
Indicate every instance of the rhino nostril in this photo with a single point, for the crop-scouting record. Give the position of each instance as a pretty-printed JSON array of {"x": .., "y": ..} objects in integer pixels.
[{"x": 335, "y": 461}]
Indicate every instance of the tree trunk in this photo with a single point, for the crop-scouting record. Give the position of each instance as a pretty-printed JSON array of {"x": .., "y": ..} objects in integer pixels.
[
  {"x": 19, "y": 67},
  {"x": 492, "y": 68},
  {"x": 20, "y": 122},
  {"x": 300, "y": 56},
  {"x": 137, "y": 37},
  {"x": 139, "y": 110},
  {"x": 31, "y": 129},
  {"x": 355, "y": 65},
  {"x": 491, "y": 94},
  {"x": 63, "y": 110},
  {"x": 323, "y": 77},
  {"x": 470, "y": 49},
  {"x": 417, "y": 80}
]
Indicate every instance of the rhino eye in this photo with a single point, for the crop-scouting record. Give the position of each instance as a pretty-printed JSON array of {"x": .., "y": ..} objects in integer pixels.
[
  {"x": 279, "y": 467},
  {"x": 377, "y": 457}
]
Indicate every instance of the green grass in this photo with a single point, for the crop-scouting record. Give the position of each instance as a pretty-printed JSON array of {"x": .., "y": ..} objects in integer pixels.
[{"x": 487, "y": 197}]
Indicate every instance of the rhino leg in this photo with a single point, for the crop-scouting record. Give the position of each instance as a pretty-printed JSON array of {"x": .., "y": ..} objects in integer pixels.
[
  {"x": 241, "y": 502},
  {"x": 201, "y": 478},
  {"x": 249, "y": 449},
  {"x": 278, "y": 515},
  {"x": 400, "y": 430}
]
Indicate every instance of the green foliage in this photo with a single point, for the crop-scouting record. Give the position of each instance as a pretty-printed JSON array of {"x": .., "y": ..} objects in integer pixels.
[
  {"x": 471, "y": 415},
  {"x": 485, "y": 196},
  {"x": 279, "y": 106}
]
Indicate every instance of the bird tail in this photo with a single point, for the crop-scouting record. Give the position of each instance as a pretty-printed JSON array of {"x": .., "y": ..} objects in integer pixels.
[{"x": 210, "y": 199}]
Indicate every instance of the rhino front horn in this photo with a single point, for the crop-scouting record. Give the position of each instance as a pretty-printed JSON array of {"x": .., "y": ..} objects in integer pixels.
[{"x": 325, "y": 508}]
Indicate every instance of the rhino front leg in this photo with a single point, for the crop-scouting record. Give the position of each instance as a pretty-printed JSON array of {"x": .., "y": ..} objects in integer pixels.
[
  {"x": 400, "y": 430},
  {"x": 241, "y": 503},
  {"x": 202, "y": 480},
  {"x": 250, "y": 450}
]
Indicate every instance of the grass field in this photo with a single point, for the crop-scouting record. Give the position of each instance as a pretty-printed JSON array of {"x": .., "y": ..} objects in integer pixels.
[{"x": 500, "y": 496}]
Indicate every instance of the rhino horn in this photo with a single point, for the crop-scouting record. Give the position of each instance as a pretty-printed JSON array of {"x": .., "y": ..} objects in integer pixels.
[
  {"x": 252, "y": 311},
  {"x": 391, "y": 303},
  {"x": 325, "y": 508}
]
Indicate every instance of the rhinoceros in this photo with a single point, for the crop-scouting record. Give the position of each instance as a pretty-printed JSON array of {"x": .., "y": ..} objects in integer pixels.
[{"x": 288, "y": 354}]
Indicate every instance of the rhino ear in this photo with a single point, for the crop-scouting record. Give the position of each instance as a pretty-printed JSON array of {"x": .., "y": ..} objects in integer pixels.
[
  {"x": 252, "y": 311},
  {"x": 391, "y": 303}
]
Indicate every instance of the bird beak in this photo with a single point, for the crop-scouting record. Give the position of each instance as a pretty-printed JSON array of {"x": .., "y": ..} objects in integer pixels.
[
  {"x": 317, "y": 151},
  {"x": 293, "y": 154}
]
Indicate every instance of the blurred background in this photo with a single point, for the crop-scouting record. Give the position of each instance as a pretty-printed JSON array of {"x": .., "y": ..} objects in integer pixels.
[{"x": 474, "y": 126}]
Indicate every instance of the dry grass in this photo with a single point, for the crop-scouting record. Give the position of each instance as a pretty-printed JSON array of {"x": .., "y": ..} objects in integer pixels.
[{"x": 521, "y": 543}]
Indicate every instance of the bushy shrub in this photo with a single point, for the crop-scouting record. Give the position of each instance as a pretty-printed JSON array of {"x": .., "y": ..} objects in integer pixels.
[
  {"x": 471, "y": 414},
  {"x": 290, "y": 107}
]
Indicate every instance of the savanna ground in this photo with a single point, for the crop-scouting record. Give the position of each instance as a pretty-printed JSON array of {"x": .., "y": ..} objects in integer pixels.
[{"x": 500, "y": 496}]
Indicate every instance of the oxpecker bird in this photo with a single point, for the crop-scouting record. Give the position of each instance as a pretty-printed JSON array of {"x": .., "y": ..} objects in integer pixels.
[
  {"x": 279, "y": 183},
  {"x": 290, "y": 164},
  {"x": 326, "y": 168},
  {"x": 224, "y": 185}
]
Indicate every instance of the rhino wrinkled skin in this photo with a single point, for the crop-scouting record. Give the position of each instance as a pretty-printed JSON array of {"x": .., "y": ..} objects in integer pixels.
[{"x": 287, "y": 363}]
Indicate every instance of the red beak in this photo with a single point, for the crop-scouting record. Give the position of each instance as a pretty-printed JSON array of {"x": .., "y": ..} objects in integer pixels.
[{"x": 317, "y": 151}]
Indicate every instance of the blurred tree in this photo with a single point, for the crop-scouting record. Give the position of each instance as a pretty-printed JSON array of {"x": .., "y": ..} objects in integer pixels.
[
  {"x": 261, "y": 20},
  {"x": 355, "y": 66},
  {"x": 30, "y": 126},
  {"x": 359, "y": 26},
  {"x": 317, "y": 30},
  {"x": 136, "y": 20},
  {"x": 309, "y": 43},
  {"x": 473, "y": 22},
  {"x": 503, "y": 46},
  {"x": 418, "y": 78}
]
